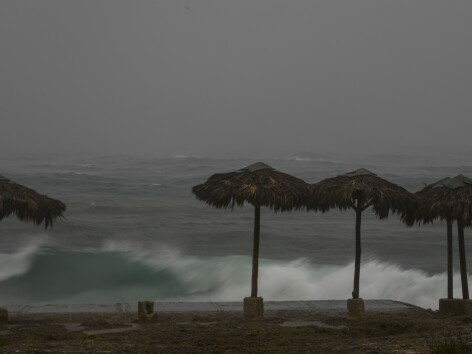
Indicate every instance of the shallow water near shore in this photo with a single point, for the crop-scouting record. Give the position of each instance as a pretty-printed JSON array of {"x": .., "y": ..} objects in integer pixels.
[{"x": 133, "y": 230}]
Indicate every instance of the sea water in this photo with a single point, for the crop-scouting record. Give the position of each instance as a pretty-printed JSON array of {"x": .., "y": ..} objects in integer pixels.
[{"x": 133, "y": 230}]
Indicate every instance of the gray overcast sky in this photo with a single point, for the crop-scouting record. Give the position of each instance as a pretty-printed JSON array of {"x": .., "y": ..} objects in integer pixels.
[{"x": 242, "y": 76}]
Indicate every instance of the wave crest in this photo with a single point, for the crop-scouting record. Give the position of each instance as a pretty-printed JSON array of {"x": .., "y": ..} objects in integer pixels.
[{"x": 120, "y": 273}]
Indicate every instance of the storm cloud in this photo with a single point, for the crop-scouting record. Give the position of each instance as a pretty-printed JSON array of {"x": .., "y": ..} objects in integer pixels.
[{"x": 235, "y": 77}]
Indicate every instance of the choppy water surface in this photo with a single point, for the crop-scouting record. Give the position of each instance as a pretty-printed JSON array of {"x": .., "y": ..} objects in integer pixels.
[{"x": 133, "y": 230}]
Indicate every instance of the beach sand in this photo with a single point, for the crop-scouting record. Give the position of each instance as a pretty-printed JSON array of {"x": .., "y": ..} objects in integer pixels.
[{"x": 282, "y": 331}]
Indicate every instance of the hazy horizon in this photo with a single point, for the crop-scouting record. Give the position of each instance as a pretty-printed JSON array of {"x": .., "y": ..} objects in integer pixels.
[{"x": 236, "y": 78}]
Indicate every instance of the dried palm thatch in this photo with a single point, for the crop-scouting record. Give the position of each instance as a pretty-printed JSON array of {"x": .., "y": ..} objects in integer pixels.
[
  {"x": 360, "y": 190},
  {"x": 259, "y": 185},
  {"x": 27, "y": 204},
  {"x": 448, "y": 199}
]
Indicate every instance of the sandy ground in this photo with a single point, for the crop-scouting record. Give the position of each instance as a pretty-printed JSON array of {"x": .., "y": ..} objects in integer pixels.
[{"x": 282, "y": 331}]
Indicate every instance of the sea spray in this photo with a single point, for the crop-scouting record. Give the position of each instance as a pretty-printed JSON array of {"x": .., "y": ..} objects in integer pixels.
[
  {"x": 19, "y": 262},
  {"x": 35, "y": 275}
]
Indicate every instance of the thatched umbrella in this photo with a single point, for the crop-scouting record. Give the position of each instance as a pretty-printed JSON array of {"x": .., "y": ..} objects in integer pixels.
[
  {"x": 259, "y": 185},
  {"x": 27, "y": 204},
  {"x": 449, "y": 199},
  {"x": 360, "y": 190},
  {"x": 434, "y": 193}
]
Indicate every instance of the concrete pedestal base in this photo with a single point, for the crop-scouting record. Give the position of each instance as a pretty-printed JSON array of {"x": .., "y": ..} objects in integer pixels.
[
  {"x": 355, "y": 307},
  {"x": 3, "y": 316},
  {"x": 253, "y": 308},
  {"x": 455, "y": 307},
  {"x": 146, "y": 312}
]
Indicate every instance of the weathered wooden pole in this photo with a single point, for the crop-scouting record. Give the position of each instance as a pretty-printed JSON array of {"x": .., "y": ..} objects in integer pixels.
[
  {"x": 255, "y": 251},
  {"x": 357, "y": 264},
  {"x": 450, "y": 266},
  {"x": 462, "y": 260}
]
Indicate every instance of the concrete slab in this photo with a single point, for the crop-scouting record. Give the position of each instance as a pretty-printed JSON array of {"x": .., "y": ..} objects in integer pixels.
[
  {"x": 185, "y": 307},
  {"x": 355, "y": 307},
  {"x": 146, "y": 312},
  {"x": 287, "y": 305},
  {"x": 382, "y": 305},
  {"x": 323, "y": 306},
  {"x": 327, "y": 305},
  {"x": 310, "y": 323},
  {"x": 229, "y": 306},
  {"x": 72, "y": 308},
  {"x": 253, "y": 308},
  {"x": 455, "y": 307},
  {"x": 131, "y": 327}
]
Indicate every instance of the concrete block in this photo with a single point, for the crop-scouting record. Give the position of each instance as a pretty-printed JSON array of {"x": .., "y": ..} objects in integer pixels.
[
  {"x": 455, "y": 307},
  {"x": 253, "y": 308},
  {"x": 3, "y": 316},
  {"x": 146, "y": 312},
  {"x": 355, "y": 307}
]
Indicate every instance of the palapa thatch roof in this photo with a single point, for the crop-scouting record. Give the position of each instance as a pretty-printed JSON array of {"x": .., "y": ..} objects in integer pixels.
[
  {"x": 362, "y": 186},
  {"x": 257, "y": 184},
  {"x": 27, "y": 204},
  {"x": 449, "y": 198}
]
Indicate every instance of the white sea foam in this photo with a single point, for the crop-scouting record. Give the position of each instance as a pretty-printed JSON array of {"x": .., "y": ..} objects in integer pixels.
[
  {"x": 19, "y": 262},
  {"x": 299, "y": 159},
  {"x": 128, "y": 272},
  {"x": 187, "y": 156},
  {"x": 303, "y": 280},
  {"x": 67, "y": 172},
  {"x": 228, "y": 279}
]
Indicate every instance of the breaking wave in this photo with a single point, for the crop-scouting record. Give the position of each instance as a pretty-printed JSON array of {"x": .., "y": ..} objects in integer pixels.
[{"x": 39, "y": 275}]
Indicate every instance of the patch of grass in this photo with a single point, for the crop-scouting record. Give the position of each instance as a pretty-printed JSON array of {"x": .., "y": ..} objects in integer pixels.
[
  {"x": 454, "y": 343},
  {"x": 4, "y": 341}
]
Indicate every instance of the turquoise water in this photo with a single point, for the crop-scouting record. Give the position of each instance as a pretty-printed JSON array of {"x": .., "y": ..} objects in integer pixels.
[{"x": 133, "y": 230}]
